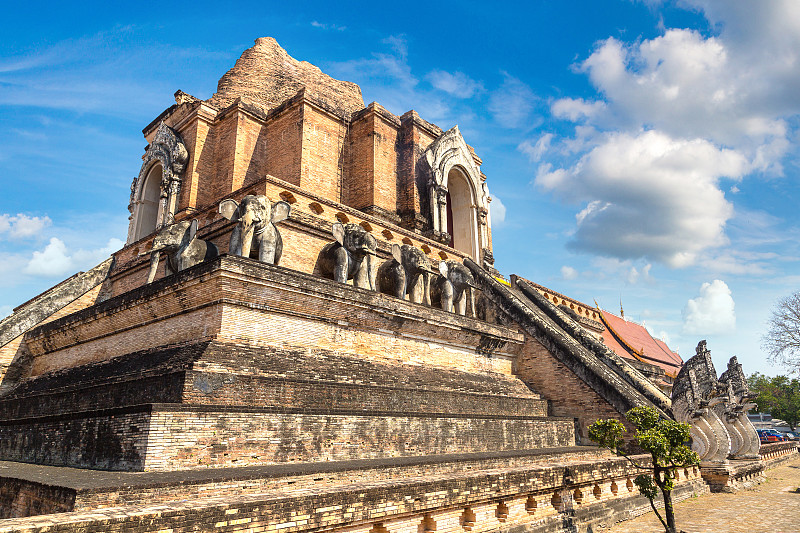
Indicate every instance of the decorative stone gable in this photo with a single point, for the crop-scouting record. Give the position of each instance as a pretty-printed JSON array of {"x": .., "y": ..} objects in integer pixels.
[
  {"x": 456, "y": 185},
  {"x": 167, "y": 154}
]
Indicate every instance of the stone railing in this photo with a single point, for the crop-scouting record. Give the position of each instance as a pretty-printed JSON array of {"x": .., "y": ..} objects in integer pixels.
[{"x": 777, "y": 452}]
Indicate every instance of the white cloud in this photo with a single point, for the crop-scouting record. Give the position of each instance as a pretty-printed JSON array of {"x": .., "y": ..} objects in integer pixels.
[
  {"x": 568, "y": 273},
  {"x": 512, "y": 104},
  {"x": 536, "y": 151},
  {"x": 682, "y": 111},
  {"x": 648, "y": 195},
  {"x": 387, "y": 78},
  {"x": 325, "y": 26},
  {"x": 456, "y": 84},
  {"x": 50, "y": 262},
  {"x": 57, "y": 260},
  {"x": 711, "y": 312},
  {"x": 497, "y": 211},
  {"x": 19, "y": 226},
  {"x": 576, "y": 109}
]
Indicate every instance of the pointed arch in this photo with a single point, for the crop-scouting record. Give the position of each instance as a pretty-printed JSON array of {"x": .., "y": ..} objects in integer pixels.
[
  {"x": 458, "y": 196},
  {"x": 166, "y": 155}
]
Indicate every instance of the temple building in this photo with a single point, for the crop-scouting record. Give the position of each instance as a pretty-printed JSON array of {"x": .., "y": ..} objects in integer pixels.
[{"x": 305, "y": 331}]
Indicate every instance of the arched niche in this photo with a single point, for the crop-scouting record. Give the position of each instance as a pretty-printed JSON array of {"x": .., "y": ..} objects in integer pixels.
[
  {"x": 458, "y": 197},
  {"x": 160, "y": 179},
  {"x": 462, "y": 223},
  {"x": 147, "y": 218}
]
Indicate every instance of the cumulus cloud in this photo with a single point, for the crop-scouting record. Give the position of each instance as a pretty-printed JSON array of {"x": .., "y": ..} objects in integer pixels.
[
  {"x": 568, "y": 273},
  {"x": 511, "y": 105},
  {"x": 52, "y": 261},
  {"x": 19, "y": 226},
  {"x": 681, "y": 111},
  {"x": 455, "y": 84},
  {"x": 57, "y": 260},
  {"x": 648, "y": 195},
  {"x": 497, "y": 211},
  {"x": 711, "y": 312}
]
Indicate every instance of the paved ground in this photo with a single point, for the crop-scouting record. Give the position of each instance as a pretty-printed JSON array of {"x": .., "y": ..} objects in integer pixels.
[{"x": 768, "y": 508}]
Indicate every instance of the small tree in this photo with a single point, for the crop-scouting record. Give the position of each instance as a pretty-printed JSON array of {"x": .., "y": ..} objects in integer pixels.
[
  {"x": 664, "y": 440},
  {"x": 778, "y": 396},
  {"x": 782, "y": 339}
]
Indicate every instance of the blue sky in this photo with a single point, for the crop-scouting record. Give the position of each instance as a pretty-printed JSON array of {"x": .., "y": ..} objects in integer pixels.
[{"x": 637, "y": 151}]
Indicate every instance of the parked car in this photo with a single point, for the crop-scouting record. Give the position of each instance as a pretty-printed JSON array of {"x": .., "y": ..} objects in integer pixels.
[
  {"x": 769, "y": 435},
  {"x": 792, "y": 436}
]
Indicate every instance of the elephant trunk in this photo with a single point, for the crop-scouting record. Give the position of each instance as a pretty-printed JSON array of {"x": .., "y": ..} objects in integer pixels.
[{"x": 154, "y": 257}]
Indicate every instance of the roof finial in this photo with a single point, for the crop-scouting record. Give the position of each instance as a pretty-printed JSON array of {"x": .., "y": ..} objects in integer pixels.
[{"x": 621, "y": 311}]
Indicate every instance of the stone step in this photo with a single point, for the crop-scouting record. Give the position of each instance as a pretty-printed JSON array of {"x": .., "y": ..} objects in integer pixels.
[
  {"x": 541, "y": 495},
  {"x": 216, "y": 373},
  {"x": 173, "y": 436},
  {"x": 94, "y": 489}
]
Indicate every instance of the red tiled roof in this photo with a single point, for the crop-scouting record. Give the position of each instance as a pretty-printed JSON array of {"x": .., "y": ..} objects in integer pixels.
[{"x": 631, "y": 340}]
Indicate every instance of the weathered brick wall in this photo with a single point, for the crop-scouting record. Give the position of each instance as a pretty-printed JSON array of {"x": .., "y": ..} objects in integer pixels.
[
  {"x": 261, "y": 304},
  {"x": 557, "y": 498},
  {"x": 21, "y": 498},
  {"x": 116, "y": 440},
  {"x": 568, "y": 394},
  {"x": 192, "y": 438},
  {"x": 15, "y": 350},
  {"x": 322, "y": 152}
]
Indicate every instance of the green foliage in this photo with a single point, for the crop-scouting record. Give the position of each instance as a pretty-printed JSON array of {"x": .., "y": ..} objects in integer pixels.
[
  {"x": 607, "y": 433},
  {"x": 778, "y": 396},
  {"x": 647, "y": 487},
  {"x": 664, "y": 440}
]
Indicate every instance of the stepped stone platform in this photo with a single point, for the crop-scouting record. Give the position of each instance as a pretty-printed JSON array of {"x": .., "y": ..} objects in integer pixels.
[{"x": 246, "y": 395}]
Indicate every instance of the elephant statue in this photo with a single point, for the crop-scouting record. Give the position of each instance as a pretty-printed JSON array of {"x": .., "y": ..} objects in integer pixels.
[
  {"x": 183, "y": 249},
  {"x": 407, "y": 275},
  {"x": 256, "y": 217},
  {"x": 454, "y": 288},
  {"x": 352, "y": 256}
]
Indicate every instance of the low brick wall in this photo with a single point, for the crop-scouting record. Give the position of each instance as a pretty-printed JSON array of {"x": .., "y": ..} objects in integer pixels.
[
  {"x": 543, "y": 498},
  {"x": 775, "y": 453}
]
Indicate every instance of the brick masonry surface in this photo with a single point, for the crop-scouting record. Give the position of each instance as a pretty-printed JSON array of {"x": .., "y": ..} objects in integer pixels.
[{"x": 481, "y": 500}]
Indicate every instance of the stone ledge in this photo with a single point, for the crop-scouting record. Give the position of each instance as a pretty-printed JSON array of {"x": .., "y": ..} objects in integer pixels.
[{"x": 245, "y": 301}]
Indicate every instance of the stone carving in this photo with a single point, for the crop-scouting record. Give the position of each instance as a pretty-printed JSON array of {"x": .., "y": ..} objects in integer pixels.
[
  {"x": 715, "y": 409},
  {"x": 407, "y": 275},
  {"x": 256, "y": 217},
  {"x": 444, "y": 153},
  {"x": 168, "y": 149},
  {"x": 182, "y": 247},
  {"x": 352, "y": 256},
  {"x": 744, "y": 439},
  {"x": 454, "y": 288}
]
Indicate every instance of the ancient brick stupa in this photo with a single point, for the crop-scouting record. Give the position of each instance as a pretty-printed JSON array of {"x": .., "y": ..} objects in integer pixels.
[{"x": 305, "y": 330}]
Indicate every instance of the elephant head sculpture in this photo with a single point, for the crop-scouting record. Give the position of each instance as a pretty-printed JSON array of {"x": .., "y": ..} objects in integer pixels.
[
  {"x": 256, "y": 217},
  {"x": 454, "y": 288},
  {"x": 407, "y": 275},
  {"x": 182, "y": 247},
  {"x": 352, "y": 256}
]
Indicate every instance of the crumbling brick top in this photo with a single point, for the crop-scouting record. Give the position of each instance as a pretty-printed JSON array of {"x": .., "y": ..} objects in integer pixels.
[{"x": 267, "y": 75}]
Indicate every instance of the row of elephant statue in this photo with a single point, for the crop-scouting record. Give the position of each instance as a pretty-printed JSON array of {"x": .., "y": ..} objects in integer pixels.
[{"x": 353, "y": 255}]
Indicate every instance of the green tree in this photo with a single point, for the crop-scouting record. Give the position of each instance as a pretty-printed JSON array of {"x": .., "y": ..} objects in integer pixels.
[
  {"x": 664, "y": 440},
  {"x": 778, "y": 396}
]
